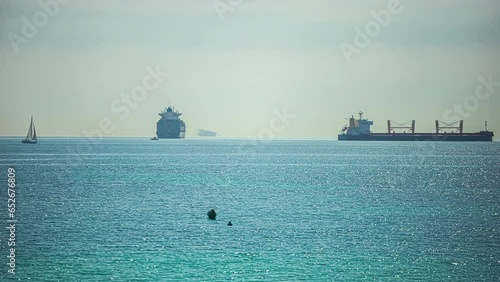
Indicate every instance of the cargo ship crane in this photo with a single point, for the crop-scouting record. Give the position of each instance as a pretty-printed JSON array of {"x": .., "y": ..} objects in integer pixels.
[
  {"x": 460, "y": 127},
  {"x": 390, "y": 128}
]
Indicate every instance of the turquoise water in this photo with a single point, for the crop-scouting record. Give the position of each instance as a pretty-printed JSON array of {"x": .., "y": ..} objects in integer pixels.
[{"x": 311, "y": 210}]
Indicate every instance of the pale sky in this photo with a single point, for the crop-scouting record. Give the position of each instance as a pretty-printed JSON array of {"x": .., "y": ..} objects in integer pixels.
[{"x": 228, "y": 70}]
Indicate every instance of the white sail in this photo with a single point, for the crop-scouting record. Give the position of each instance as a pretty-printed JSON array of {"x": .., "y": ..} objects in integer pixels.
[
  {"x": 34, "y": 131},
  {"x": 30, "y": 131}
]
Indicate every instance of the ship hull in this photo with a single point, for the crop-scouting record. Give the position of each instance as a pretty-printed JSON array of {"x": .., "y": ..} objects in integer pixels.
[
  {"x": 166, "y": 129},
  {"x": 471, "y": 137},
  {"x": 206, "y": 133}
]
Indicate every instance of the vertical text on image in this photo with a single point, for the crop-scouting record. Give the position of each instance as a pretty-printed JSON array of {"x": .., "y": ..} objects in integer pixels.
[{"x": 11, "y": 222}]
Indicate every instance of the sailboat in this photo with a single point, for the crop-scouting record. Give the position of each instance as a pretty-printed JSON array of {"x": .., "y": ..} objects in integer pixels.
[{"x": 31, "y": 137}]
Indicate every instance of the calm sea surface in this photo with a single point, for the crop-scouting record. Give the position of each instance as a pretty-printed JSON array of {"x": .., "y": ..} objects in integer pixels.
[{"x": 131, "y": 209}]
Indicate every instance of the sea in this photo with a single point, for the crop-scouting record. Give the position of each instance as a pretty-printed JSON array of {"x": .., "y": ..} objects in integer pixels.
[{"x": 133, "y": 209}]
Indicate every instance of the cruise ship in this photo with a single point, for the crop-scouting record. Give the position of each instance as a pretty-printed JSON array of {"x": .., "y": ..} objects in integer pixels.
[{"x": 359, "y": 130}]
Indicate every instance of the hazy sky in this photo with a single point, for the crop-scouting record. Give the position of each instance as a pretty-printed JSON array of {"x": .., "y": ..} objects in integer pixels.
[{"x": 230, "y": 66}]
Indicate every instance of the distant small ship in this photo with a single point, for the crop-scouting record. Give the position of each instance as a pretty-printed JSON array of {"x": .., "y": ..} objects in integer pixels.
[
  {"x": 359, "y": 130},
  {"x": 31, "y": 136},
  {"x": 170, "y": 125},
  {"x": 206, "y": 133}
]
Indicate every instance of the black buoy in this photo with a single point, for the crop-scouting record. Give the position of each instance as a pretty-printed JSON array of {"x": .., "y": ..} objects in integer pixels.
[
  {"x": 229, "y": 223},
  {"x": 211, "y": 214}
]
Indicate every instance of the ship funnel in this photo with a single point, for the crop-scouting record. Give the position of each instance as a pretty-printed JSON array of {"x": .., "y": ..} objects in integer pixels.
[{"x": 352, "y": 122}]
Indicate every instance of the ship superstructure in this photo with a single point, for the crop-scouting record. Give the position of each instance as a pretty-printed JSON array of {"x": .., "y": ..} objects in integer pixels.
[
  {"x": 359, "y": 130},
  {"x": 358, "y": 126},
  {"x": 170, "y": 125}
]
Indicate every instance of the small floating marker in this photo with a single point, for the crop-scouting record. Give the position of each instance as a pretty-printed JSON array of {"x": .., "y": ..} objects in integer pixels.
[
  {"x": 229, "y": 223},
  {"x": 211, "y": 214}
]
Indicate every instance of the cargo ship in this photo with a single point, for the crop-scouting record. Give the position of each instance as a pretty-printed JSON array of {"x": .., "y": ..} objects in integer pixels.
[
  {"x": 206, "y": 133},
  {"x": 359, "y": 130},
  {"x": 170, "y": 125}
]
